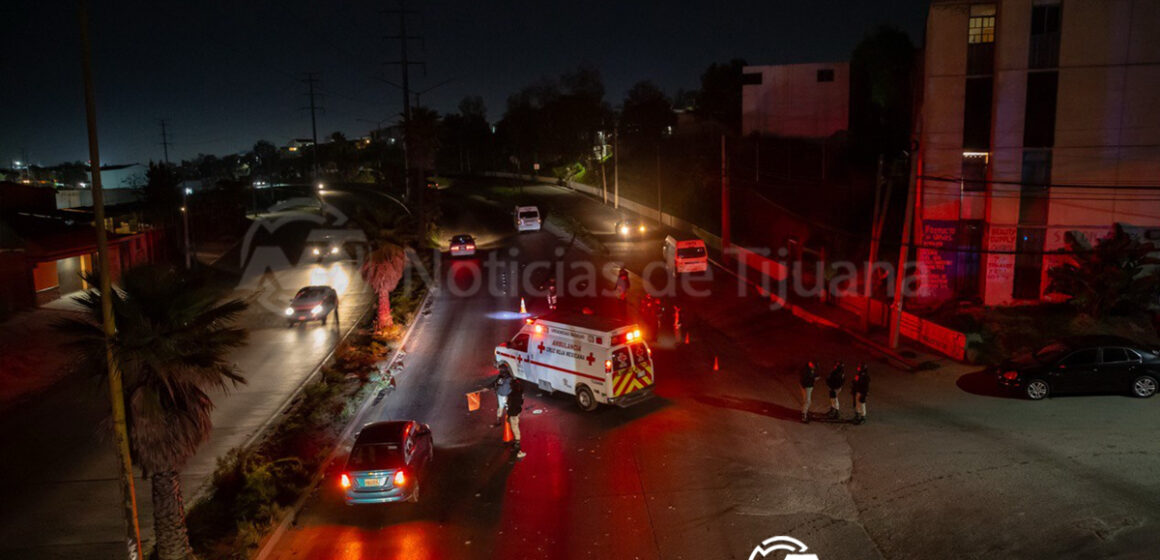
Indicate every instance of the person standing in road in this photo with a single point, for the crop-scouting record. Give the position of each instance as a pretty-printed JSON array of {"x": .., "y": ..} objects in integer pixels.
[
  {"x": 834, "y": 381},
  {"x": 515, "y": 405},
  {"x": 860, "y": 387},
  {"x": 502, "y": 387},
  {"x": 808, "y": 378}
]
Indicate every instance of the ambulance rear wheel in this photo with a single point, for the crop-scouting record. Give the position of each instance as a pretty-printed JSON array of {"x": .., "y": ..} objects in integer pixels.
[{"x": 584, "y": 399}]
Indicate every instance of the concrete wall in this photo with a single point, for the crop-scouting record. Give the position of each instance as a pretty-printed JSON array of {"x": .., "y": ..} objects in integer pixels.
[{"x": 790, "y": 101}]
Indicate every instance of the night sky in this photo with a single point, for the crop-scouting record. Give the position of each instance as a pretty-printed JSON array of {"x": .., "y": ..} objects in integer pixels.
[{"x": 225, "y": 74}]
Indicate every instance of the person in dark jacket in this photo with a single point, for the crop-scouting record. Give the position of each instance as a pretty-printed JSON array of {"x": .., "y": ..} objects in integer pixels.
[
  {"x": 809, "y": 376},
  {"x": 834, "y": 381},
  {"x": 502, "y": 387},
  {"x": 860, "y": 387},
  {"x": 515, "y": 405}
]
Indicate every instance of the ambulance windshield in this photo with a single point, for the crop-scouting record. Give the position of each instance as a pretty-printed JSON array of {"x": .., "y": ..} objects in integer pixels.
[{"x": 640, "y": 355}]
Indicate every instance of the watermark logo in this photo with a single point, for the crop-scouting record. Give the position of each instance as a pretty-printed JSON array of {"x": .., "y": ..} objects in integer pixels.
[{"x": 793, "y": 548}]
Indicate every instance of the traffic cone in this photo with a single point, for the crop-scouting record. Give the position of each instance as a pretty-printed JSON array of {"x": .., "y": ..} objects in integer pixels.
[
  {"x": 523, "y": 307},
  {"x": 507, "y": 430},
  {"x": 716, "y": 366},
  {"x": 686, "y": 337}
]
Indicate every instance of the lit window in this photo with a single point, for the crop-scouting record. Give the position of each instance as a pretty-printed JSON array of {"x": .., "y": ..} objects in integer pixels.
[{"x": 981, "y": 26}]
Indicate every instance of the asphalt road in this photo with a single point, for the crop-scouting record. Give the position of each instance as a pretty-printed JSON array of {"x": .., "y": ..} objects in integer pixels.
[
  {"x": 61, "y": 499},
  {"x": 718, "y": 462}
]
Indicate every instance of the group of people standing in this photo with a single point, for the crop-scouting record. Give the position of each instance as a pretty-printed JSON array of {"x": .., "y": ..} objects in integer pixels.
[{"x": 834, "y": 382}]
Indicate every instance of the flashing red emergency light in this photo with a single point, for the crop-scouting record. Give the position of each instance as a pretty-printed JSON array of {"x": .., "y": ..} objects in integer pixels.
[
  {"x": 607, "y": 366},
  {"x": 539, "y": 329},
  {"x": 529, "y": 320},
  {"x": 400, "y": 478}
]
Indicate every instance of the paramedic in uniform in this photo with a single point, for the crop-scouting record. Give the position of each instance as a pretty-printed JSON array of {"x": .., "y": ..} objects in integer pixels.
[{"x": 515, "y": 405}]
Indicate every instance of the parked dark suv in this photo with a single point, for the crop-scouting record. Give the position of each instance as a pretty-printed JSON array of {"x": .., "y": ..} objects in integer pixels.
[{"x": 1089, "y": 364}]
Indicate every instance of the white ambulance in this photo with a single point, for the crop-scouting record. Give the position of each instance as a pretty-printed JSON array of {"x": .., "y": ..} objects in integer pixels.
[{"x": 596, "y": 359}]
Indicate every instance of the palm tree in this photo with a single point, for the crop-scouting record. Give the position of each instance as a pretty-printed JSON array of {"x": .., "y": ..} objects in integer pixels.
[
  {"x": 173, "y": 336},
  {"x": 383, "y": 270}
]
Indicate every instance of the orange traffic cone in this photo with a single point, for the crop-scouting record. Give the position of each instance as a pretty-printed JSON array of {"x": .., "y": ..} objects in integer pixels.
[
  {"x": 716, "y": 366},
  {"x": 507, "y": 430},
  {"x": 686, "y": 338},
  {"x": 523, "y": 308}
]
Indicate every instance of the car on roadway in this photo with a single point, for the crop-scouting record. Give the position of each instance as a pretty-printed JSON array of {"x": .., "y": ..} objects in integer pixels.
[
  {"x": 312, "y": 303},
  {"x": 462, "y": 245},
  {"x": 387, "y": 463},
  {"x": 630, "y": 227},
  {"x": 1084, "y": 364},
  {"x": 325, "y": 247},
  {"x": 527, "y": 218}
]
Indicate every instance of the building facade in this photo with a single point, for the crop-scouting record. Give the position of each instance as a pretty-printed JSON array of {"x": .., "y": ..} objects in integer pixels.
[
  {"x": 796, "y": 100},
  {"x": 1038, "y": 118}
]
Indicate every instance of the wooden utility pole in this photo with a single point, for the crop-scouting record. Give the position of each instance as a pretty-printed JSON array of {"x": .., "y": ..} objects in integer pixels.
[
  {"x": 116, "y": 392},
  {"x": 725, "y": 237},
  {"x": 615, "y": 169},
  {"x": 881, "y": 203},
  {"x": 904, "y": 251}
]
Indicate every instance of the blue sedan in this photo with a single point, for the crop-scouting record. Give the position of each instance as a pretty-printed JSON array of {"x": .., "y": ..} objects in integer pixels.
[{"x": 387, "y": 463}]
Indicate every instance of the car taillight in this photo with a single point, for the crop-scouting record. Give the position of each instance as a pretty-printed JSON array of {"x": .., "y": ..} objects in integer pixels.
[
  {"x": 1010, "y": 375},
  {"x": 400, "y": 478},
  {"x": 471, "y": 247},
  {"x": 344, "y": 481},
  {"x": 607, "y": 366}
]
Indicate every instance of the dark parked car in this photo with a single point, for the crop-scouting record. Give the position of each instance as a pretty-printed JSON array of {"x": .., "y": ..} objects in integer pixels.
[
  {"x": 1090, "y": 364},
  {"x": 312, "y": 302},
  {"x": 387, "y": 463}
]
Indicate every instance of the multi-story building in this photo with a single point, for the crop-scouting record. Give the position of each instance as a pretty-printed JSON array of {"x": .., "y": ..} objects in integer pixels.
[
  {"x": 1039, "y": 118},
  {"x": 796, "y": 100}
]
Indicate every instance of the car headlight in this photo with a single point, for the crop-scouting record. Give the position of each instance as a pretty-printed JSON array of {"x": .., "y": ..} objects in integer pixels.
[
  {"x": 317, "y": 309},
  {"x": 641, "y": 229},
  {"x": 624, "y": 230},
  {"x": 289, "y": 310},
  {"x": 316, "y": 251},
  {"x": 334, "y": 250}
]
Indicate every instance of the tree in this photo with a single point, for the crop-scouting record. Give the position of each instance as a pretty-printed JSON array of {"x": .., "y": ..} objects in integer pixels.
[
  {"x": 1116, "y": 276},
  {"x": 173, "y": 335},
  {"x": 383, "y": 270},
  {"x": 882, "y": 66},
  {"x": 266, "y": 159},
  {"x": 720, "y": 95},
  {"x": 647, "y": 113}
]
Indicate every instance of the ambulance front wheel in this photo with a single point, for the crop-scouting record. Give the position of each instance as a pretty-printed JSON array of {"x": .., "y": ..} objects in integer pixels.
[{"x": 584, "y": 399}]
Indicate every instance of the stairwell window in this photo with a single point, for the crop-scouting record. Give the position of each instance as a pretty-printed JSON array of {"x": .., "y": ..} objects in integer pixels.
[{"x": 981, "y": 40}]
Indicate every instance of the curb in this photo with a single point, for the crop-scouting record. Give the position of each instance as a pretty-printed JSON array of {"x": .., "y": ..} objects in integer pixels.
[{"x": 267, "y": 546}]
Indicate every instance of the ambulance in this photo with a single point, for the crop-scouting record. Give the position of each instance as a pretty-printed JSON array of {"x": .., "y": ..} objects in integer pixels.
[{"x": 597, "y": 360}]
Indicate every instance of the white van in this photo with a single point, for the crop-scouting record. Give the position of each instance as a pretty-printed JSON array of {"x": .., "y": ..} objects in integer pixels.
[
  {"x": 595, "y": 359},
  {"x": 685, "y": 255},
  {"x": 527, "y": 218}
]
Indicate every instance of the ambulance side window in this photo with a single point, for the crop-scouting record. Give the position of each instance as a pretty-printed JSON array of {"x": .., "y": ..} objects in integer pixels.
[
  {"x": 620, "y": 359},
  {"x": 519, "y": 343}
]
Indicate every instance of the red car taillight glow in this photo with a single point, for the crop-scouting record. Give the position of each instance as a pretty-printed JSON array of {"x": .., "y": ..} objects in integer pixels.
[
  {"x": 400, "y": 478},
  {"x": 344, "y": 481},
  {"x": 1010, "y": 375}
]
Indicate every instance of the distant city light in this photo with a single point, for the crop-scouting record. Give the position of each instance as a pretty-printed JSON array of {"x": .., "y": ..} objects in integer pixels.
[{"x": 188, "y": 190}]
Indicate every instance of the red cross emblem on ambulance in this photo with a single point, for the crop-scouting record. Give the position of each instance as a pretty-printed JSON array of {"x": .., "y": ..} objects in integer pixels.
[{"x": 590, "y": 358}]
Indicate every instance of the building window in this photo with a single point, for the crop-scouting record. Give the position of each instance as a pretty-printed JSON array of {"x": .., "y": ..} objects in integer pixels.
[
  {"x": 981, "y": 40},
  {"x": 975, "y": 171},
  {"x": 1045, "y": 25},
  {"x": 970, "y": 246},
  {"x": 977, "y": 115},
  {"x": 1033, "y": 191},
  {"x": 751, "y": 79},
  {"x": 1039, "y": 117},
  {"x": 1028, "y": 263},
  {"x": 826, "y": 75}
]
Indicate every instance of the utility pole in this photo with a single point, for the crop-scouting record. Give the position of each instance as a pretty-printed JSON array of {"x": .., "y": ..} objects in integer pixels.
[
  {"x": 184, "y": 197},
  {"x": 311, "y": 79},
  {"x": 725, "y": 237},
  {"x": 615, "y": 168},
  {"x": 165, "y": 141},
  {"x": 405, "y": 64},
  {"x": 881, "y": 203},
  {"x": 116, "y": 391},
  {"x": 603, "y": 176},
  {"x": 660, "y": 213},
  {"x": 904, "y": 251}
]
